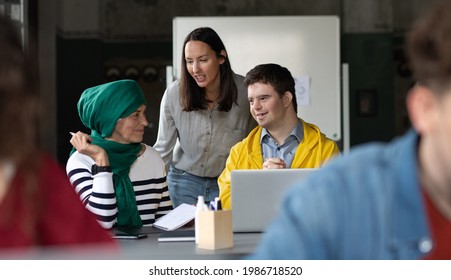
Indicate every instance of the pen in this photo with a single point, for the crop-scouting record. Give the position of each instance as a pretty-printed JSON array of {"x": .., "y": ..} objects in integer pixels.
[
  {"x": 217, "y": 203},
  {"x": 73, "y": 133}
]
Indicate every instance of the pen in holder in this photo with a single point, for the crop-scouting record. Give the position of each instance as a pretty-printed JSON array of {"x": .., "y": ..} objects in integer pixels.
[{"x": 215, "y": 229}]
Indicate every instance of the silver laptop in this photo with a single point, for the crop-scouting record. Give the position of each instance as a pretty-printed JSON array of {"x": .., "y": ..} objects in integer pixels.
[{"x": 256, "y": 195}]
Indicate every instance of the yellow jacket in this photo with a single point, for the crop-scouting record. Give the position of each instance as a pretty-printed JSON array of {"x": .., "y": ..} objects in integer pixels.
[{"x": 313, "y": 151}]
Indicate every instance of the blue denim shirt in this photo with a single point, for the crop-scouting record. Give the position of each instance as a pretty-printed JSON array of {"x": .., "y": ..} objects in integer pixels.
[
  {"x": 365, "y": 205},
  {"x": 287, "y": 150}
]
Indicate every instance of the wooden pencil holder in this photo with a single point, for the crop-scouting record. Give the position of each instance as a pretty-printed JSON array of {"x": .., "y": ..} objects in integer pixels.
[{"x": 215, "y": 230}]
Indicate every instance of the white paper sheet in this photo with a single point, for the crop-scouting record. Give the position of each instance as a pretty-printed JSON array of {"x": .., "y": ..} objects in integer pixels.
[
  {"x": 176, "y": 218},
  {"x": 302, "y": 87}
]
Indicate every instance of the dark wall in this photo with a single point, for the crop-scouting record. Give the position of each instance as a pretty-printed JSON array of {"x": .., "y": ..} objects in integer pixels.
[
  {"x": 79, "y": 65},
  {"x": 371, "y": 91}
]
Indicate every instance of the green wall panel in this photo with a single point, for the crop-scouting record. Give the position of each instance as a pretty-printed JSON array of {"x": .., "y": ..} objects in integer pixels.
[{"x": 372, "y": 100}]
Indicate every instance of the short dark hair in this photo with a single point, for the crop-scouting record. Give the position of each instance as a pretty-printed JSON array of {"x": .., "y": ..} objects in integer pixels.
[
  {"x": 429, "y": 48},
  {"x": 193, "y": 96},
  {"x": 278, "y": 77}
]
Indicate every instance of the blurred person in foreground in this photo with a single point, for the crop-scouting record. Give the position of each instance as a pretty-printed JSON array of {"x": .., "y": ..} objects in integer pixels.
[
  {"x": 37, "y": 204},
  {"x": 383, "y": 201}
]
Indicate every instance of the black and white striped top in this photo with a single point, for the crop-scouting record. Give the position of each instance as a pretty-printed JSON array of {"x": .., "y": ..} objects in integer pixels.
[{"x": 148, "y": 176}]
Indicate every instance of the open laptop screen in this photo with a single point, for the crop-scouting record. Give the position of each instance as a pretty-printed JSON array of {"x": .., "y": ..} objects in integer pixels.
[{"x": 256, "y": 195}]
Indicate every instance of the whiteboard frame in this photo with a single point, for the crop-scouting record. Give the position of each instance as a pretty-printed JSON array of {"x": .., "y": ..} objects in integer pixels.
[{"x": 306, "y": 45}]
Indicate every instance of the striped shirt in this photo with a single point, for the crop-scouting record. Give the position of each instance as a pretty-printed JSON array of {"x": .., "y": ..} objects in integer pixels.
[{"x": 97, "y": 193}]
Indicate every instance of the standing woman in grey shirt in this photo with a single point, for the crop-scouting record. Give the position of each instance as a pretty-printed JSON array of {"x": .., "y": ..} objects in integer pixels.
[{"x": 202, "y": 115}]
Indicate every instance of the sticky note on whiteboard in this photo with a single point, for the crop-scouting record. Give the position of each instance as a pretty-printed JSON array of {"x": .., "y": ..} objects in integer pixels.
[{"x": 302, "y": 87}]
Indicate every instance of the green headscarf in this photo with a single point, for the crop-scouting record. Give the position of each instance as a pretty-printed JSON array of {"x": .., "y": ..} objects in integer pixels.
[{"x": 100, "y": 108}]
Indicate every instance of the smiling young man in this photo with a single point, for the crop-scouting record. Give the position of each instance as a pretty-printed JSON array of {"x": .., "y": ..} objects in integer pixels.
[
  {"x": 118, "y": 178},
  {"x": 282, "y": 139}
]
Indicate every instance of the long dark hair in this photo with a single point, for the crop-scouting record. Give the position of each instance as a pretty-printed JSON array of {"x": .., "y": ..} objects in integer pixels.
[
  {"x": 19, "y": 120},
  {"x": 19, "y": 95},
  {"x": 192, "y": 96}
]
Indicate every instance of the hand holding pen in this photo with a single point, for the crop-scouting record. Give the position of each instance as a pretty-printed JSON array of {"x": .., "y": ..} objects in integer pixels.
[{"x": 82, "y": 143}]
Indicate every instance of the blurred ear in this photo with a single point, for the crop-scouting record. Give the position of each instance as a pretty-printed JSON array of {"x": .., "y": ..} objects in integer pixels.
[
  {"x": 287, "y": 97},
  {"x": 422, "y": 106},
  {"x": 223, "y": 54}
]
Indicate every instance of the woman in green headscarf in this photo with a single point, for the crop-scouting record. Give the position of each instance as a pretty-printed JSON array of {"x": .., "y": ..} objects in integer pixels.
[{"x": 121, "y": 180}]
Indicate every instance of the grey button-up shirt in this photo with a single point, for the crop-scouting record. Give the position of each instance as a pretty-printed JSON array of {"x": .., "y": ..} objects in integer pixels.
[{"x": 199, "y": 142}]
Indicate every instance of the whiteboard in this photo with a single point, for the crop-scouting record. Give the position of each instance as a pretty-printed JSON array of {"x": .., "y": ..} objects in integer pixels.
[{"x": 306, "y": 45}]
